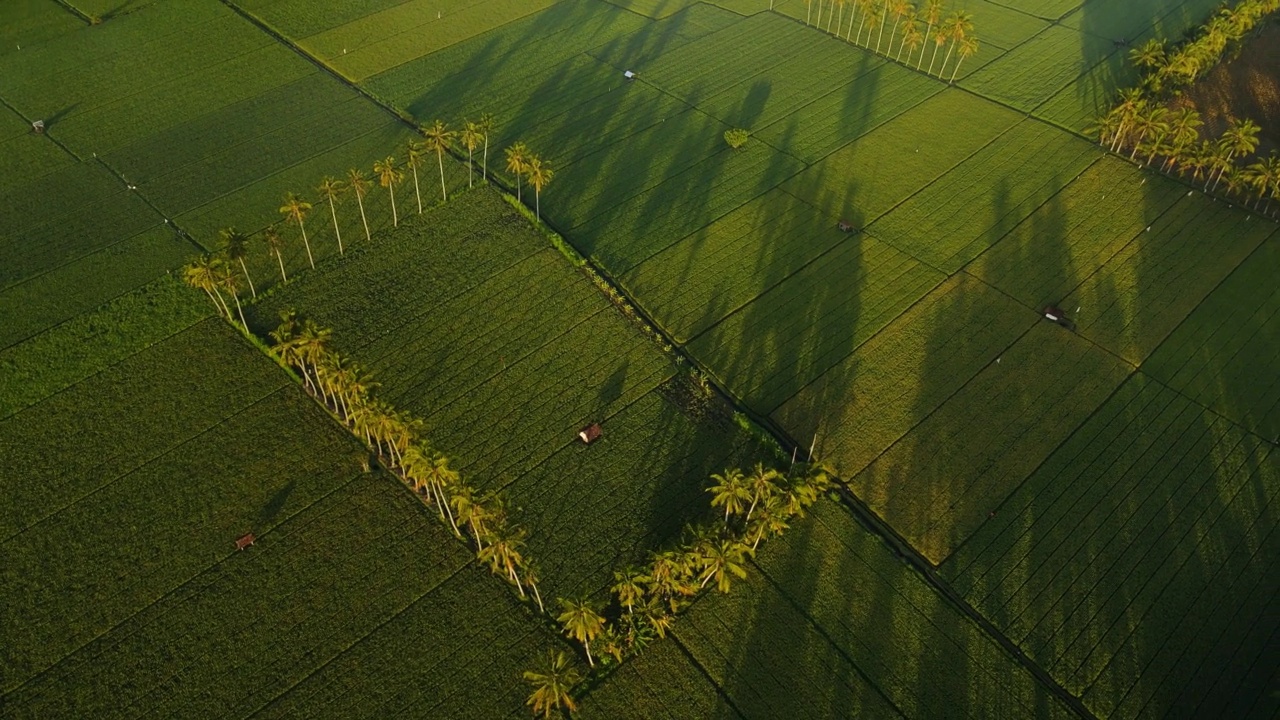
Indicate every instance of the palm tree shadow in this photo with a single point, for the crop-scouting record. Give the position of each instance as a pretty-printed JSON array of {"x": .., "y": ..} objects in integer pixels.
[{"x": 272, "y": 509}]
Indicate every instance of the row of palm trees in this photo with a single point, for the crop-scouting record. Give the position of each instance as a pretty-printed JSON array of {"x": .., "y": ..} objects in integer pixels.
[
  {"x": 919, "y": 27},
  {"x": 1169, "y": 68},
  {"x": 395, "y": 436},
  {"x": 644, "y": 602}
]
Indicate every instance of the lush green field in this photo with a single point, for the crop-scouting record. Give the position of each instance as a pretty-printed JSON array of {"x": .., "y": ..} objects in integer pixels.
[{"x": 469, "y": 319}]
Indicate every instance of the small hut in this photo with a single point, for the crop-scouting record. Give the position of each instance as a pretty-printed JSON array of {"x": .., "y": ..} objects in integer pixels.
[
  {"x": 1055, "y": 314},
  {"x": 845, "y": 226},
  {"x": 37, "y": 127},
  {"x": 629, "y": 75},
  {"x": 590, "y": 433},
  {"x": 245, "y": 541}
]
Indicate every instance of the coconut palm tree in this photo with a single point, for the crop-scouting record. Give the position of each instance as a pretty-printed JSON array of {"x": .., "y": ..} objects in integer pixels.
[
  {"x": 900, "y": 10},
  {"x": 485, "y": 126},
  {"x": 761, "y": 485},
  {"x": 729, "y": 491},
  {"x": 531, "y": 578},
  {"x": 1132, "y": 104},
  {"x": 236, "y": 245},
  {"x": 940, "y": 37},
  {"x": 471, "y": 138},
  {"x": 968, "y": 48},
  {"x": 912, "y": 39},
  {"x": 438, "y": 137},
  {"x": 1149, "y": 55},
  {"x": 552, "y": 687},
  {"x": 1239, "y": 140},
  {"x": 722, "y": 561},
  {"x": 959, "y": 25},
  {"x": 517, "y": 163},
  {"x": 276, "y": 245},
  {"x": 581, "y": 622},
  {"x": 388, "y": 175},
  {"x": 503, "y": 554},
  {"x": 1149, "y": 123},
  {"x": 539, "y": 176},
  {"x": 884, "y": 16},
  {"x": 629, "y": 587},
  {"x": 331, "y": 189},
  {"x": 932, "y": 15},
  {"x": 413, "y": 157},
  {"x": 203, "y": 273},
  {"x": 227, "y": 281},
  {"x": 296, "y": 209},
  {"x": 360, "y": 185},
  {"x": 1184, "y": 131}
]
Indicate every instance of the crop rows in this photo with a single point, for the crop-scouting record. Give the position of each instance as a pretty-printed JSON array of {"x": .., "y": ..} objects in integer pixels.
[
  {"x": 1151, "y": 285},
  {"x": 661, "y": 683},
  {"x": 26, "y": 157},
  {"x": 722, "y": 60},
  {"x": 303, "y": 18},
  {"x": 233, "y": 637},
  {"x": 865, "y": 179},
  {"x": 164, "y": 520},
  {"x": 456, "y": 652},
  {"x": 862, "y": 405},
  {"x": 405, "y": 36},
  {"x": 937, "y": 484},
  {"x": 966, "y": 211},
  {"x": 626, "y": 235},
  {"x": 1075, "y": 232},
  {"x": 637, "y": 49},
  {"x": 1047, "y": 9},
  {"x": 883, "y": 616},
  {"x": 1131, "y": 551},
  {"x": 693, "y": 284},
  {"x": 639, "y": 487},
  {"x": 1035, "y": 71},
  {"x": 1215, "y": 354},
  {"x": 26, "y": 23},
  {"x": 797, "y": 330}
]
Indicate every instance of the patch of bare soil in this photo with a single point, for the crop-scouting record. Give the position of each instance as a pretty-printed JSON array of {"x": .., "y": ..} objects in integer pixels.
[{"x": 1246, "y": 86}]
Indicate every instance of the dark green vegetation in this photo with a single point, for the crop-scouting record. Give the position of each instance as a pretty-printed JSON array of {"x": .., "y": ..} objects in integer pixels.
[{"x": 1102, "y": 499}]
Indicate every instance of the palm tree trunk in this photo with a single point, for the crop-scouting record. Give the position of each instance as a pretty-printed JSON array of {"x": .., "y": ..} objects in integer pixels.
[
  {"x": 933, "y": 59},
  {"x": 928, "y": 29},
  {"x": 840, "y": 22},
  {"x": 852, "y": 13},
  {"x": 440, "y": 160},
  {"x": 471, "y": 166},
  {"x": 222, "y": 302},
  {"x": 537, "y": 203},
  {"x": 363, "y": 219},
  {"x": 892, "y": 33},
  {"x": 283, "y": 277},
  {"x": 212, "y": 299},
  {"x": 947, "y": 59},
  {"x": 239, "y": 310},
  {"x": 415, "y": 188},
  {"x": 395, "y": 218},
  {"x": 484, "y": 169},
  {"x": 248, "y": 279},
  {"x": 808, "y": 13},
  {"x": 880, "y": 37},
  {"x": 333, "y": 211},
  {"x": 819, "y": 23},
  {"x": 537, "y": 596},
  {"x": 861, "y": 22},
  {"x": 306, "y": 242},
  {"x": 519, "y": 196},
  {"x": 957, "y": 70}
]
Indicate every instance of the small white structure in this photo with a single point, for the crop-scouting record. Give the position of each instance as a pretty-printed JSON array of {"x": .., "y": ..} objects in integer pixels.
[
  {"x": 37, "y": 126},
  {"x": 629, "y": 75}
]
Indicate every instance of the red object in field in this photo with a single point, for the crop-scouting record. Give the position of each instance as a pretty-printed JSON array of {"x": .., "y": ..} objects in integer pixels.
[
  {"x": 245, "y": 541},
  {"x": 590, "y": 433}
]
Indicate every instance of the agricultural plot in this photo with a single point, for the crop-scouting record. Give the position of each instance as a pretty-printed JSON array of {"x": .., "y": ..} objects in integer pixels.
[
  {"x": 1146, "y": 290},
  {"x": 1217, "y": 354},
  {"x": 974, "y": 205},
  {"x": 1138, "y": 564},
  {"x": 664, "y": 682},
  {"x": 469, "y": 320},
  {"x": 1035, "y": 71},
  {"x": 125, "y": 504},
  {"x": 939, "y": 483},
  {"x": 1065, "y": 241},
  {"x": 865, "y": 179},
  {"x": 24, "y": 155},
  {"x": 27, "y": 23},
  {"x": 1047, "y": 9},
  {"x": 93, "y": 341},
  {"x": 865, "y": 403},
  {"x": 840, "y": 627},
  {"x": 793, "y": 333}
]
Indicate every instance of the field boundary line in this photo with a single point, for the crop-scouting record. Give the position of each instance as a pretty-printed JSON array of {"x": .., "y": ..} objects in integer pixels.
[
  {"x": 100, "y": 370},
  {"x": 684, "y": 650}
]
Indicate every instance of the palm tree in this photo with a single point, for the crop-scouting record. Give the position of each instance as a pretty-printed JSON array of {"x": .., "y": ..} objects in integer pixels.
[
  {"x": 471, "y": 138},
  {"x": 730, "y": 492},
  {"x": 968, "y": 48},
  {"x": 227, "y": 281},
  {"x": 360, "y": 185},
  {"x": 539, "y": 176},
  {"x": 438, "y": 137},
  {"x": 388, "y": 175},
  {"x": 761, "y": 485},
  {"x": 517, "y": 159},
  {"x": 236, "y": 245},
  {"x": 331, "y": 189},
  {"x": 503, "y": 554},
  {"x": 552, "y": 688},
  {"x": 485, "y": 126},
  {"x": 884, "y": 15},
  {"x": 531, "y": 578},
  {"x": 295, "y": 209},
  {"x": 1148, "y": 123},
  {"x": 959, "y": 25},
  {"x": 912, "y": 39},
  {"x": 203, "y": 273},
  {"x": 1132, "y": 104},
  {"x": 722, "y": 561},
  {"x": 582, "y": 623},
  {"x": 628, "y": 586},
  {"x": 414, "y": 159},
  {"x": 1239, "y": 140},
  {"x": 932, "y": 14},
  {"x": 1150, "y": 54},
  {"x": 899, "y": 8},
  {"x": 276, "y": 245},
  {"x": 940, "y": 37},
  {"x": 1263, "y": 177}
]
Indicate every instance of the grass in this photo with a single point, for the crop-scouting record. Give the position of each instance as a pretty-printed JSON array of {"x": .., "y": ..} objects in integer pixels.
[
  {"x": 664, "y": 682},
  {"x": 1113, "y": 564}
]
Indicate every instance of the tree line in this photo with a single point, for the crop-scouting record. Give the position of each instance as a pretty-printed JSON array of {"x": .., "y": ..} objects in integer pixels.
[
  {"x": 223, "y": 270},
  {"x": 914, "y": 28},
  {"x": 1142, "y": 126},
  {"x": 644, "y": 601}
]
